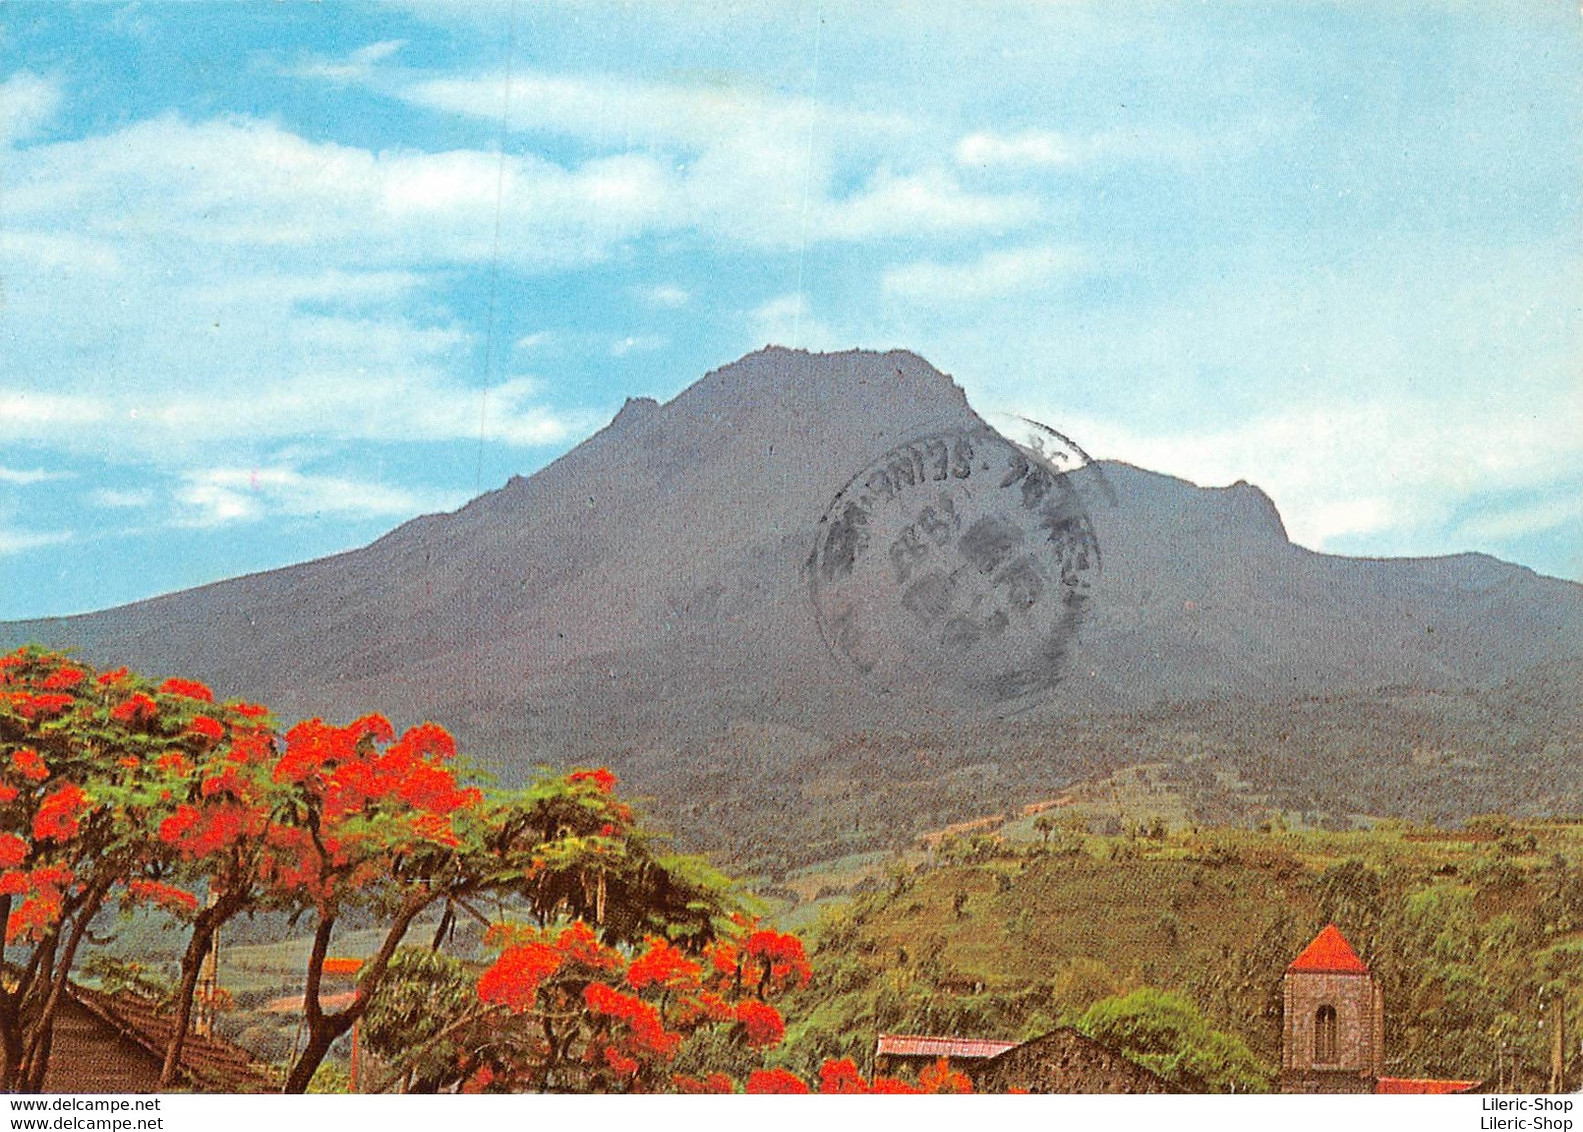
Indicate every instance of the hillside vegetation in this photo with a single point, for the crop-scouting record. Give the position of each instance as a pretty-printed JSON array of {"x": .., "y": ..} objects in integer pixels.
[{"x": 1009, "y": 933}]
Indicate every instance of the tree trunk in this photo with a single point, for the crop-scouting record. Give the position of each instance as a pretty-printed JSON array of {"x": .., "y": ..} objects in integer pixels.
[
  {"x": 10, "y": 1013},
  {"x": 11, "y": 1040},
  {"x": 324, "y": 1028},
  {"x": 207, "y": 924},
  {"x": 36, "y": 1060}
]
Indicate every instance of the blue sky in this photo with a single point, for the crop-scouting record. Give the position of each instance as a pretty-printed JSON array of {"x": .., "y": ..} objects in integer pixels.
[{"x": 275, "y": 278}]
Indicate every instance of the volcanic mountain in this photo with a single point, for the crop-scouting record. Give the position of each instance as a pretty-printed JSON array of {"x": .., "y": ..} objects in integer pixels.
[{"x": 709, "y": 595}]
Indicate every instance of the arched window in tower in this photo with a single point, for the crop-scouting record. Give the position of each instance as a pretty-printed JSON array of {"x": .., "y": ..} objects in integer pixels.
[{"x": 1325, "y": 1034}]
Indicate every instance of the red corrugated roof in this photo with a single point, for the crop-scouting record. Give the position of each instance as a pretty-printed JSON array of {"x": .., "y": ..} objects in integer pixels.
[
  {"x": 1421, "y": 1086},
  {"x": 207, "y": 1064},
  {"x": 1331, "y": 954},
  {"x": 920, "y": 1045}
]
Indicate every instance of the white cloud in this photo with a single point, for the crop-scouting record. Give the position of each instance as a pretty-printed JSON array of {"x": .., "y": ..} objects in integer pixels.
[
  {"x": 1014, "y": 271},
  {"x": 17, "y": 542},
  {"x": 1035, "y": 148},
  {"x": 614, "y": 111},
  {"x": 788, "y": 321},
  {"x": 931, "y": 202},
  {"x": 739, "y": 162},
  {"x": 538, "y": 340},
  {"x": 59, "y": 253},
  {"x": 202, "y": 285},
  {"x": 29, "y": 413},
  {"x": 26, "y": 477},
  {"x": 122, "y": 498},
  {"x": 242, "y": 187},
  {"x": 358, "y": 66},
  {"x": 27, "y": 103},
  {"x": 1052, "y": 149},
  {"x": 194, "y": 284},
  {"x": 1347, "y": 470},
  {"x": 1526, "y": 519},
  {"x": 348, "y": 404},
  {"x": 637, "y": 344},
  {"x": 216, "y": 496}
]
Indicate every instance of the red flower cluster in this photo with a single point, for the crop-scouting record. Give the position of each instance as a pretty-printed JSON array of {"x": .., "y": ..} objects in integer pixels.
[
  {"x": 189, "y": 688},
  {"x": 33, "y": 918},
  {"x": 842, "y": 1077},
  {"x": 635, "y": 1014},
  {"x": 62, "y": 679},
  {"x": 58, "y": 813},
  {"x": 173, "y": 762},
  {"x": 645, "y": 1027},
  {"x": 228, "y": 782},
  {"x": 620, "y": 1063},
  {"x": 778, "y": 957},
  {"x": 44, "y": 904},
  {"x": 762, "y": 1081},
  {"x": 578, "y": 944},
  {"x": 197, "y": 833},
  {"x": 514, "y": 979},
  {"x": 138, "y": 709},
  {"x": 355, "y": 774},
  {"x": 941, "y": 1078},
  {"x": 112, "y": 678},
  {"x": 761, "y": 1023},
  {"x": 662, "y": 965},
  {"x": 602, "y": 779},
  {"x": 206, "y": 728},
  {"x": 167, "y": 896},
  {"x": 13, "y": 850},
  {"x": 29, "y": 764},
  {"x": 33, "y": 708}
]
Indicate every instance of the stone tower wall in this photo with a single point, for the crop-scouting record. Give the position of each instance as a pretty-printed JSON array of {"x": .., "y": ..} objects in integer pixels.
[{"x": 1360, "y": 1023}]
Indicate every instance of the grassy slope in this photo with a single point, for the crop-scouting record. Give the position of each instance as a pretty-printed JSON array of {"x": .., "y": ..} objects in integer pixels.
[{"x": 1462, "y": 931}]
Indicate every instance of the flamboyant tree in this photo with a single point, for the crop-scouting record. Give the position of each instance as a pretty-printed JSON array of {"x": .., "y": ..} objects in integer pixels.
[
  {"x": 580, "y": 852},
  {"x": 215, "y": 827},
  {"x": 109, "y": 783},
  {"x": 561, "y": 1010},
  {"x": 373, "y": 823},
  {"x": 572, "y": 1014},
  {"x": 607, "y": 915},
  {"x": 86, "y": 765}
]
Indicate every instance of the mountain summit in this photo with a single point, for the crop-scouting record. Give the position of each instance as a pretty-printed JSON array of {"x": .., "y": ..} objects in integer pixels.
[{"x": 806, "y": 560}]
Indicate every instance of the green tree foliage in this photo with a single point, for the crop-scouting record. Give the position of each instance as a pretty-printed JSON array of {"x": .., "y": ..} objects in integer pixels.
[
  {"x": 420, "y": 1023},
  {"x": 1165, "y": 1031}
]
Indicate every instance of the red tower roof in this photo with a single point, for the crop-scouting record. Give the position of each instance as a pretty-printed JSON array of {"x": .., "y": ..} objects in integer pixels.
[
  {"x": 1330, "y": 954},
  {"x": 1423, "y": 1086}
]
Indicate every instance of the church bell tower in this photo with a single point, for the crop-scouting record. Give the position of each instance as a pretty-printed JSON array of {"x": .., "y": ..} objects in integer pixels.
[{"x": 1333, "y": 1034}]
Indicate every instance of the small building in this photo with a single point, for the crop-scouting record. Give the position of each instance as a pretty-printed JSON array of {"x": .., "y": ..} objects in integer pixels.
[
  {"x": 1061, "y": 1061},
  {"x": 115, "y": 1043},
  {"x": 1333, "y": 1026},
  {"x": 1065, "y": 1061},
  {"x": 913, "y": 1053},
  {"x": 1333, "y": 1020}
]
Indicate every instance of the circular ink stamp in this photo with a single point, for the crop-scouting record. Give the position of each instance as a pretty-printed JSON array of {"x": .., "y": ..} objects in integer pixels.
[{"x": 960, "y": 562}]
